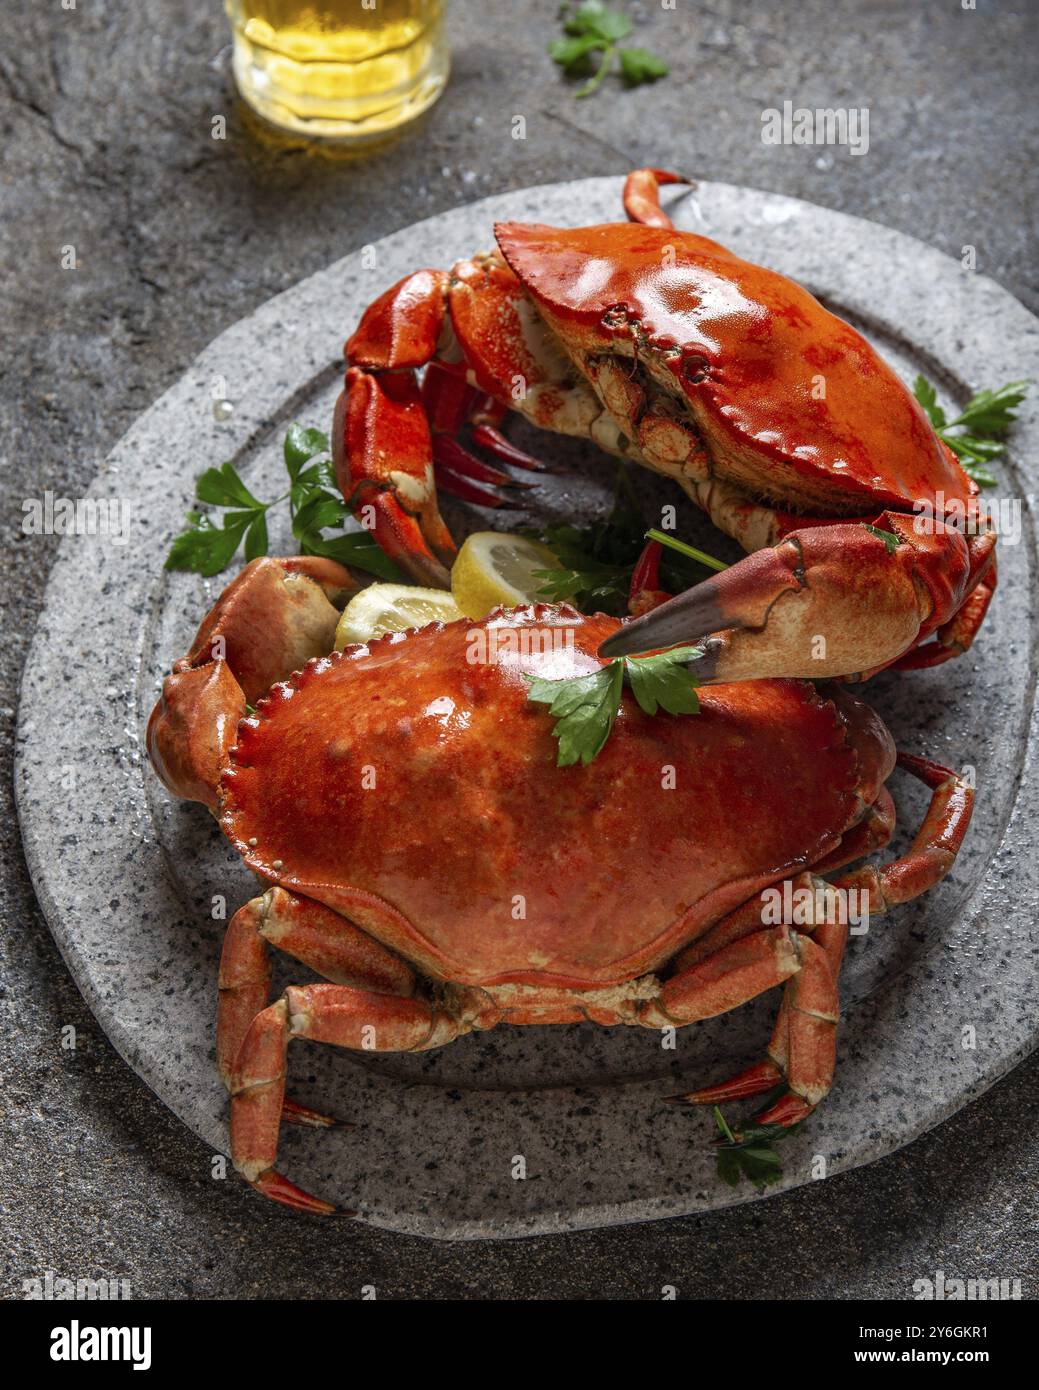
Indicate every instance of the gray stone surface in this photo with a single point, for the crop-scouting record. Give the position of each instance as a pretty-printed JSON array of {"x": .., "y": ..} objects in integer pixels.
[{"x": 97, "y": 1178}]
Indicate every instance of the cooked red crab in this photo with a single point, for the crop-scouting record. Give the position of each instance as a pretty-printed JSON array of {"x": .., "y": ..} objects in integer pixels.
[
  {"x": 774, "y": 415},
  {"x": 422, "y": 852}
]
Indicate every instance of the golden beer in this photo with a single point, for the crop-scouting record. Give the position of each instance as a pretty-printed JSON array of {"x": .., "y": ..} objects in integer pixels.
[{"x": 340, "y": 69}]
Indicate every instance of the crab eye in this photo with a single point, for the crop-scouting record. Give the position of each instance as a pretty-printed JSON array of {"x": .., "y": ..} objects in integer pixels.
[
  {"x": 695, "y": 369},
  {"x": 616, "y": 316}
]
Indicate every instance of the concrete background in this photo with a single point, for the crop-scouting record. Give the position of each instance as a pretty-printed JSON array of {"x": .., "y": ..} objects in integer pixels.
[{"x": 106, "y": 112}]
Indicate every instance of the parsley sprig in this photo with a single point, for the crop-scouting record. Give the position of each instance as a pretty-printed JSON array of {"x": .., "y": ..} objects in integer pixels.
[
  {"x": 592, "y": 46},
  {"x": 596, "y": 561},
  {"x": 684, "y": 548},
  {"x": 207, "y": 547},
  {"x": 585, "y": 707},
  {"x": 585, "y": 577},
  {"x": 978, "y": 434},
  {"x": 750, "y": 1153}
]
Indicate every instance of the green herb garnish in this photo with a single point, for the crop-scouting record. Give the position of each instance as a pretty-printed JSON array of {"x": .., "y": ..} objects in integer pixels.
[
  {"x": 978, "y": 434},
  {"x": 690, "y": 551},
  {"x": 314, "y": 504},
  {"x": 891, "y": 541},
  {"x": 751, "y": 1152},
  {"x": 593, "y": 35},
  {"x": 662, "y": 680},
  {"x": 596, "y": 562},
  {"x": 585, "y": 707}
]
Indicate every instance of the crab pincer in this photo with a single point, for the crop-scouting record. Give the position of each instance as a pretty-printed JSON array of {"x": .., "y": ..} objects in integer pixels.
[{"x": 844, "y": 600}]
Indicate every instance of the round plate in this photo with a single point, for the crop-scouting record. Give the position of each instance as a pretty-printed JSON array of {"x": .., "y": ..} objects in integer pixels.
[{"x": 938, "y": 997}]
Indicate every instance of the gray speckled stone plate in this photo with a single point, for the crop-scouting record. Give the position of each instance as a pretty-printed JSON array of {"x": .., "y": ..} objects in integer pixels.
[{"x": 127, "y": 876}]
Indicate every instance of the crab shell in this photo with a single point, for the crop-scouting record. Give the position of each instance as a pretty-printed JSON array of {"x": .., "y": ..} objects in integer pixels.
[
  {"x": 793, "y": 403},
  {"x": 412, "y": 786}
]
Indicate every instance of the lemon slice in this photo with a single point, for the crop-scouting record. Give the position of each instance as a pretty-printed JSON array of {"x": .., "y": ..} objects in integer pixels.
[
  {"x": 382, "y": 608},
  {"x": 495, "y": 568}
]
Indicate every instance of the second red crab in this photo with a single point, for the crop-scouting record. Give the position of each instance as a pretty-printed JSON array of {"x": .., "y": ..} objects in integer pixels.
[{"x": 774, "y": 416}]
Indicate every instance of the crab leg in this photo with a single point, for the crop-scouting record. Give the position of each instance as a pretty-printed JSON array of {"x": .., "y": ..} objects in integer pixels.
[
  {"x": 494, "y": 443},
  {"x": 449, "y": 403},
  {"x": 803, "y": 1048},
  {"x": 312, "y": 934},
  {"x": 447, "y": 397},
  {"x": 958, "y": 634},
  {"x": 338, "y": 1014},
  {"x": 933, "y": 851},
  {"x": 642, "y": 196},
  {"x": 803, "y": 1045},
  {"x": 490, "y": 412},
  {"x": 826, "y": 601},
  {"x": 449, "y": 454},
  {"x": 462, "y": 487},
  {"x": 737, "y": 972},
  {"x": 267, "y": 623},
  {"x": 873, "y": 832}
]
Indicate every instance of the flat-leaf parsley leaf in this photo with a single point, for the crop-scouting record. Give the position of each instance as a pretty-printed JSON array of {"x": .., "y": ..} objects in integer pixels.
[
  {"x": 978, "y": 434},
  {"x": 585, "y": 707},
  {"x": 314, "y": 504},
  {"x": 591, "y": 48}
]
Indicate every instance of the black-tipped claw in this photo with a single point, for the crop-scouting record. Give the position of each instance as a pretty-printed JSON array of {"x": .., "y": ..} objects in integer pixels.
[{"x": 685, "y": 618}]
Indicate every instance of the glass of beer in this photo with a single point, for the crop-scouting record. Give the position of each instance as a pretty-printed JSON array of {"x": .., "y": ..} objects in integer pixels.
[{"x": 346, "y": 70}]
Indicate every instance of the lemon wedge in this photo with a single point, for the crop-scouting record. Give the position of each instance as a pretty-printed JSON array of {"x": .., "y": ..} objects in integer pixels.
[
  {"x": 382, "y": 608},
  {"x": 493, "y": 568}
]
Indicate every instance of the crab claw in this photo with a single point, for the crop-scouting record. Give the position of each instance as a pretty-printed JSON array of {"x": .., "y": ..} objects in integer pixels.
[
  {"x": 384, "y": 464},
  {"x": 269, "y": 621},
  {"x": 828, "y": 601}
]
